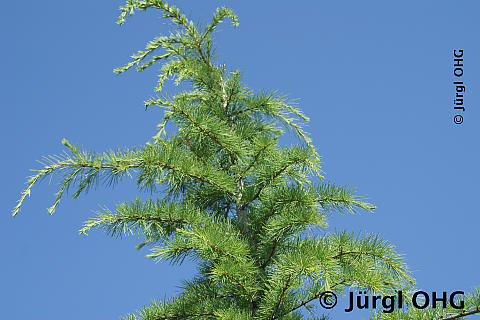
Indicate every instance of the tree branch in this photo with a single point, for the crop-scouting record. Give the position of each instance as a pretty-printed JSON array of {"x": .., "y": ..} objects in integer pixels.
[
  {"x": 461, "y": 315},
  {"x": 182, "y": 316},
  {"x": 304, "y": 302},
  {"x": 273, "y": 177},
  {"x": 284, "y": 289}
]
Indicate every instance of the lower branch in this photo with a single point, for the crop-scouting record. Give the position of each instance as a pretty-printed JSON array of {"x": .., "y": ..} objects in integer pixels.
[
  {"x": 184, "y": 316},
  {"x": 304, "y": 302},
  {"x": 462, "y": 314}
]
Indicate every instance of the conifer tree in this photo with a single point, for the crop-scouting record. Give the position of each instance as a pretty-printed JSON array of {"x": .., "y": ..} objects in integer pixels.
[{"x": 225, "y": 193}]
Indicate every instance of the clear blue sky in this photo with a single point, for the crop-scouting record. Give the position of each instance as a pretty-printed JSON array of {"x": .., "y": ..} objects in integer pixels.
[{"x": 375, "y": 77}]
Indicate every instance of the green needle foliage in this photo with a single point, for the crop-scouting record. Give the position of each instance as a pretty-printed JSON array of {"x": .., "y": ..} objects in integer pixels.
[{"x": 225, "y": 193}]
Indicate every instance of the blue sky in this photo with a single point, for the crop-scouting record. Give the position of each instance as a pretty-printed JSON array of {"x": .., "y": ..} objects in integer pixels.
[{"x": 375, "y": 77}]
